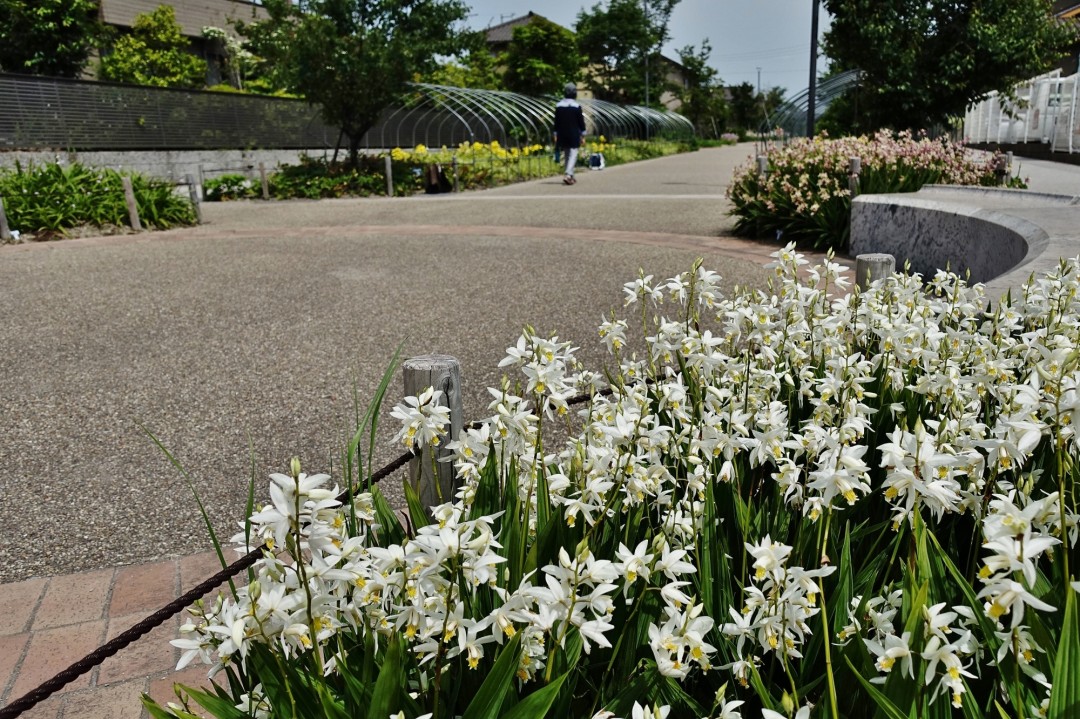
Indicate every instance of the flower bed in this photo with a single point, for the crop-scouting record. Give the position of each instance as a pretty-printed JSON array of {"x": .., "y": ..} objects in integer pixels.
[
  {"x": 797, "y": 503},
  {"x": 49, "y": 200},
  {"x": 805, "y": 196}
]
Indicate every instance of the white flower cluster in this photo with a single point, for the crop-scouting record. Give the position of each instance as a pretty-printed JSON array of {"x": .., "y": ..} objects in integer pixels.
[{"x": 779, "y": 394}]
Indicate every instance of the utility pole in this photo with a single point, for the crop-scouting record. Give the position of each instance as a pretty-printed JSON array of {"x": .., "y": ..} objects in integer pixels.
[
  {"x": 759, "y": 81},
  {"x": 811, "y": 100},
  {"x": 645, "y": 6}
]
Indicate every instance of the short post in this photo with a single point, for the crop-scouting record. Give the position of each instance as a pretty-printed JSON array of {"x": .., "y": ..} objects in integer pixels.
[
  {"x": 762, "y": 165},
  {"x": 1001, "y": 168},
  {"x": 389, "y": 176},
  {"x": 5, "y": 231},
  {"x": 873, "y": 266},
  {"x": 854, "y": 168},
  {"x": 433, "y": 479},
  {"x": 453, "y": 165},
  {"x": 193, "y": 194},
  {"x": 132, "y": 208},
  {"x": 264, "y": 181}
]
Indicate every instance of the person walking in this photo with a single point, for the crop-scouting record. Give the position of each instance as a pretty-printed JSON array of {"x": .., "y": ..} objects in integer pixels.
[{"x": 569, "y": 129}]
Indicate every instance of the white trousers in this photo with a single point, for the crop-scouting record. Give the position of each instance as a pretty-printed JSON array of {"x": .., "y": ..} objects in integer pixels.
[{"x": 571, "y": 161}]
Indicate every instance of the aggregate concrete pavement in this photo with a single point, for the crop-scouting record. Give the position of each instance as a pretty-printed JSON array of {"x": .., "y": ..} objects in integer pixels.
[{"x": 243, "y": 342}]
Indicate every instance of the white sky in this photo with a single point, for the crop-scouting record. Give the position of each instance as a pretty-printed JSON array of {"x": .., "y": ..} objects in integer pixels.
[{"x": 773, "y": 35}]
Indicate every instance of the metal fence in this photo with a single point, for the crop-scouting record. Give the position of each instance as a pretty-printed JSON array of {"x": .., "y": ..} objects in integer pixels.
[
  {"x": 56, "y": 113},
  {"x": 1042, "y": 110},
  {"x": 50, "y": 113}
]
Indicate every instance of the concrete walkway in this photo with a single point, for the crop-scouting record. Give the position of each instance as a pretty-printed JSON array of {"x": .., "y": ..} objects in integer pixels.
[{"x": 240, "y": 344}]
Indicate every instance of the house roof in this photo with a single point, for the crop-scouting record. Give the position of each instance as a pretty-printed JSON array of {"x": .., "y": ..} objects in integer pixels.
[
  {"x": 192, "y": 15},
  {"x": 1066, "y": 9},
  {"x": 504, "y": 32}
]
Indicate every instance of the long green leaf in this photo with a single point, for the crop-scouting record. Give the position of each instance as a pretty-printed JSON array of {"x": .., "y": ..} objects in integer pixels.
[
  {"x": 384, "y": 698},
  {"x": 1065, "y": 694},
  {"x": 882, "y": 701},
  {"x": 489, "y": 698},
  {"x": 537, "y": 704}
]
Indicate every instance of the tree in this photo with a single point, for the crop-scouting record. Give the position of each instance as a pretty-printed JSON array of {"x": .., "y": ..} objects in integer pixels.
[
  {"x": 541, "y": 59},
  {"x": 155, "y": 53},
  {"x": 48, "y": 37},
  {"x": 475, "y": 67},
  {"x": 925, "y": 61},
  {"x": 353, "y": 58},
  {"x": 620, "y": 44},
  {"x": 701, "y": 93}
]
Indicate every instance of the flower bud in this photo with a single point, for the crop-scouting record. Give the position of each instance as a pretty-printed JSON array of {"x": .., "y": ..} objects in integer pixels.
[{"x": 294, "y": 467}]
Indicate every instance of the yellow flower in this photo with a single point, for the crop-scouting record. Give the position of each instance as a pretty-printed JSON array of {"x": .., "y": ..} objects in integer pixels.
[{"x": 420, "y": 150}]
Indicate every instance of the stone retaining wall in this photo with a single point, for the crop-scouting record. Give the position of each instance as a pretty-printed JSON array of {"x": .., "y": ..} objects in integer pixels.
[{"x": 1000, "y": 236}]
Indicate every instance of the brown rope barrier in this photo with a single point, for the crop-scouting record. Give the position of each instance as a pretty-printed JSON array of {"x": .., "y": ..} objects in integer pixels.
[{"x": 145, "y": 626}]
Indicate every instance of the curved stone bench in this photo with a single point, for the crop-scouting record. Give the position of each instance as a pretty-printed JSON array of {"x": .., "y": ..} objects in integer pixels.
[{"x": 1000, "y": 236}]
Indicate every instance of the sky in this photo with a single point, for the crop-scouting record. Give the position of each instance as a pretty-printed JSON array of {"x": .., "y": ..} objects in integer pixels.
[{"x": 773, "y": 35}]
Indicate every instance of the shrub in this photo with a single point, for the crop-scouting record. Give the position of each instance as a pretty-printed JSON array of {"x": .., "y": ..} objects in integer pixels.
[
  {"x": 801, "y": 498},
  {"x": 316, "y": 178},
  {"x": 52, "y": 198},
  {"x": 805, "y": 196}
]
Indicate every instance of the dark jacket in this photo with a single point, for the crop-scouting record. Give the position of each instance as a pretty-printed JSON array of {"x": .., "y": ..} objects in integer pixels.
[{"x": 569, "y": 123}]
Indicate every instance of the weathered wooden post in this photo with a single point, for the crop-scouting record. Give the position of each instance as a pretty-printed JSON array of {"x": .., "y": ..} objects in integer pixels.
[
  {"x": 389, "y": 176},
  {"x": 432, "y": 478},
  {"x": 132, "y": 208},
  {"x": 5, "y": 231},
  {"x": 193, "y": 195},
  {"x": 264, "y": 181},
  {"x": 873, "y": 266},
  {"x": 453, "y": 165},
  {"x": 854, "y": 168},
  {"x": 762, "y": 165}
]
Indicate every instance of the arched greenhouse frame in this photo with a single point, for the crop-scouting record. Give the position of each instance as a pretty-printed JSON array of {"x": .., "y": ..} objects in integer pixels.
[{"x": 439, "y": 115}]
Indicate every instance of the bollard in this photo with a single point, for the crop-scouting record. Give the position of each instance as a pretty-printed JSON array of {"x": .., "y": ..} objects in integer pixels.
[
  {"x": 453, "y": 165},
  {"x": 873, "y": 266},
  {"x": 193, "y": 194},
  {"x": 433, "y": 479},
  {"x": 389, "y": 177},
  {"x": 854, "y": 168},
  {"x": 762, "y": 165},
  {"x": 5, "y": 231},
  {"x": 132, "y": 207}
]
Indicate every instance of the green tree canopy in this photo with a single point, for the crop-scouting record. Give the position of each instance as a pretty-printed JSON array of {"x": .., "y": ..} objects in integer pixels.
[
  {"x": 541, "y": 59},
  {"x": 155, "y": 53},
  {"x": 620, "y": 43},
  {"x": 474, "y": 67},
  {"x": 701, "y": 93},
  {"x": 47, "y": 37},
  {"x": 353, "y": 58},
  {"x": 925, "y": 61}
]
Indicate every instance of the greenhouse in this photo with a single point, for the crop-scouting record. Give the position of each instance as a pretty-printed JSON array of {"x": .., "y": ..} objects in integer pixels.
[{"x": 438, "y": 115}]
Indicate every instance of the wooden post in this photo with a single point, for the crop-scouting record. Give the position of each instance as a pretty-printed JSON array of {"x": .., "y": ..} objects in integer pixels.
[
  {"x": 132, "y": 208},
  {"x": 193, "y": 195},
  {"x": 762, "y": 165},
  {"x": 453, "y": 165},
  {"x": 443, "y": 373},
  {"x": 264, "y": 181},
  {"x": 873, "y": 266},
  {"x": 5, "y": 231},
  {"x": 389, "y": 177},
  {"x": 854, "y": 168}
]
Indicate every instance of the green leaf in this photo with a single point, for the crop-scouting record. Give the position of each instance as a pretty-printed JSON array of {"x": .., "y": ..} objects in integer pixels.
[
  {"x": 384, "y": 698},
  {"x": 220, "y": 707},
  {"x": 1065, "y": 694},
  {"x": 882, "y": 701},
  {"x": 489, "y": 698},
  {"x": 538, "y": 703},
  {"x": 417, "y": 511}
]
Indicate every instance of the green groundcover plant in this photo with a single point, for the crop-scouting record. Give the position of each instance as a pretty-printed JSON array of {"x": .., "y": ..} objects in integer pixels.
[
  {"x": 49, "y": 199},
  {"x": 478, "y": 165},
  {"x": 802, "y": 502},
  {"x": 805, "y": 197}
]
